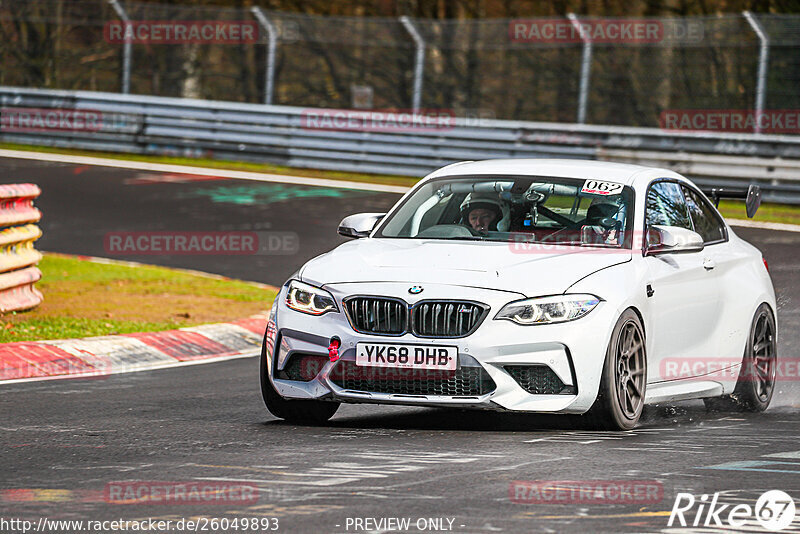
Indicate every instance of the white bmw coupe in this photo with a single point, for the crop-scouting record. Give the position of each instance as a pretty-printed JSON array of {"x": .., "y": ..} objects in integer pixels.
[{"x": 555, "y": 286}]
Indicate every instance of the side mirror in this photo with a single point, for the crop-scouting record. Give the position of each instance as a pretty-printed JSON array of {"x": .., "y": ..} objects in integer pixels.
[
  {"x": 360, "y": 224},
  {"x": 669, "y": 239}
]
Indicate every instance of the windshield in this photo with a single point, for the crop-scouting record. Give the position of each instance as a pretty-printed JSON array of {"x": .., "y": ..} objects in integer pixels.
[{"x": 532, "y": 209}]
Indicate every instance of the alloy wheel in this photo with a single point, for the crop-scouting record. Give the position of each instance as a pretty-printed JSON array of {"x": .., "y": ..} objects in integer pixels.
[
  {"x": 630, "y": 370},
  {"x": 762, "y": 359}
]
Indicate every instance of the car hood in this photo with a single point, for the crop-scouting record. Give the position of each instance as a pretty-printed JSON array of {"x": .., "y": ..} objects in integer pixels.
[{"x": 491, "y": 265}]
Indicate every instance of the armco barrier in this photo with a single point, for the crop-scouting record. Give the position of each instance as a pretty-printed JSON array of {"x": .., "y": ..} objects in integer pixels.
[
  {"x": 18, "y": 258},
  {"x": 283, "y": 135}
]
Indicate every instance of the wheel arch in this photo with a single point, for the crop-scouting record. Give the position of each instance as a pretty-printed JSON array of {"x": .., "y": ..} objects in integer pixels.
[{"x": 638, "y": 313}]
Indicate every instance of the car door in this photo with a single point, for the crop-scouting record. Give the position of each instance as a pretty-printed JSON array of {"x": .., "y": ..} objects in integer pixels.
[
  {"x": 684, "y": 294},
  {"x": 726, "y": 263}
]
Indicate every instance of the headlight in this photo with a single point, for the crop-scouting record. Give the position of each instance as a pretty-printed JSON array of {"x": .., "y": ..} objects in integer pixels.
[
  {"x": 309, "y": 299},
  {"x": 547, "y": 310}
]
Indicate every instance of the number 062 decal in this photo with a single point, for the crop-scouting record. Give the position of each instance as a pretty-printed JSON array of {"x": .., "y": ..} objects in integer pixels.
[{"x": 597, "y": 187}]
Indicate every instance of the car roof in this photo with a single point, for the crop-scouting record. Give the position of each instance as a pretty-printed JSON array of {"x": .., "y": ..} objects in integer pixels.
[{"x": 636, "y": 176}]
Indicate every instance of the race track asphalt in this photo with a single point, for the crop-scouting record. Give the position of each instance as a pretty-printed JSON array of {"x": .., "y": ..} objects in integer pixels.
[{"x": 63, "y": 442}]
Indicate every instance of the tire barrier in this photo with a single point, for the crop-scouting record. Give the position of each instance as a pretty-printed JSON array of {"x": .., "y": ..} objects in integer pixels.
[{"x": 18, "y": 258}]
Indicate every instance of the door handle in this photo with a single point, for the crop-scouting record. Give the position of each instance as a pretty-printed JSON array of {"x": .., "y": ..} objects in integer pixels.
[{"x": 709, "y": 264}]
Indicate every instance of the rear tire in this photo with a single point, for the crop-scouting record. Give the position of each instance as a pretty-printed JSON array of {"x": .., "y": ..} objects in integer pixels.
[
  {"x": 756, "y": 383},
  {"x": 296, "y": 411},
  {"x": 620, "y": 399}
]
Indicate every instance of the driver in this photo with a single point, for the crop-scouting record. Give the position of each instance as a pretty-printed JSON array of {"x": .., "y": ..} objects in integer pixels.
[
  {"x": 604, "y": 220},
  {"x": 484, "y": 212}
]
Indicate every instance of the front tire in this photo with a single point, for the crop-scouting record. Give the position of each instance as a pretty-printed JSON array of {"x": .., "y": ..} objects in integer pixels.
[
  {"x": 620, "y": 399},
  {"x": 756, "y": 383},
  {"x": 296, "y": 411}
]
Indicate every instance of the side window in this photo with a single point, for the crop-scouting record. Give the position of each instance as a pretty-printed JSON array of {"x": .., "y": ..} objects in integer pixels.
[
  {"x": 665, "y": 206},
  {"x": 706, "y": 222}
]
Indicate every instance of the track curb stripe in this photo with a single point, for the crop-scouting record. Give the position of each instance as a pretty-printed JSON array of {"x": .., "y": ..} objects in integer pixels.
[
  {"x": 181, "y": 345},
  {"x": 29, "y": 360},
  {"x": 107, "y": 355},
  {"x": 256, "y": 324}
]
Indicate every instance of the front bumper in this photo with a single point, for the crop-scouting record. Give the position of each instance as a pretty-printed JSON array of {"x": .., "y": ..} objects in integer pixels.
[{"x": 574, "y": 351}]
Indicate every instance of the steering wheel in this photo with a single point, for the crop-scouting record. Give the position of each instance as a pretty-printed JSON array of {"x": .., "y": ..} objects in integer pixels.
[{"x": 474, "y": 232}]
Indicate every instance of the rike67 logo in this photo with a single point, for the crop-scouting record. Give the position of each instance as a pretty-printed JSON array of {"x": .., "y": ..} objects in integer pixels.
[{"x": 774, "y": 511}]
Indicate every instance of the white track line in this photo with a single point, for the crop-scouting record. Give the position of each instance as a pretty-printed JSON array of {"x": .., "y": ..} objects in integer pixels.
[
  {"x": 160, "y": 365},
  {"x": 783, "y": 227},
  {"x": 202, "y": 171}
]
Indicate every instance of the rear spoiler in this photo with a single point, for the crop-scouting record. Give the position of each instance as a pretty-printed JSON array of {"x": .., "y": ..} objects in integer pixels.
[{"x": 751, "y": 196}]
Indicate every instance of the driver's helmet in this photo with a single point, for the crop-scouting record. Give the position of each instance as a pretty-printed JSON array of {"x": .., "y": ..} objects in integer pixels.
[
  {"x": 606, "y": 209},
  {"x": 489, "y": 201},
  {"x": 599, "y": 212},
  {"x": 604, "y": 220}
]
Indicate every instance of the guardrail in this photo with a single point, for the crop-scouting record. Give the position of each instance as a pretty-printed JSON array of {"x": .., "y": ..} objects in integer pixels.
[
  {"x": 18, "y": 258},
  {"x": 283, "y": 135}
]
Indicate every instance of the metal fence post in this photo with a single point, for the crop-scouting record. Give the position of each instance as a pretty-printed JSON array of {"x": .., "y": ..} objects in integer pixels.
[
  {"x": 272, "y": 45},
  {"x": 586, "y": 64},
  {"x": 126, "y": 47},
  {"x": 763, "y": 58},
  {"x": 419, "y": 60}
]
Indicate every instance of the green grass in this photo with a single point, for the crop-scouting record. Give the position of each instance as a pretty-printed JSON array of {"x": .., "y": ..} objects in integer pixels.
[
  {"x": 780, "y": 213},
  {"x": 77, "y": 327},
  {"x": 144, "y": 279},
  {"x": 83, "y": 298}
]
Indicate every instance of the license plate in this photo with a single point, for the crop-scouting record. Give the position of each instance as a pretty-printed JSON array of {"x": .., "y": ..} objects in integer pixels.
[{"x": 407, "y": 356}]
